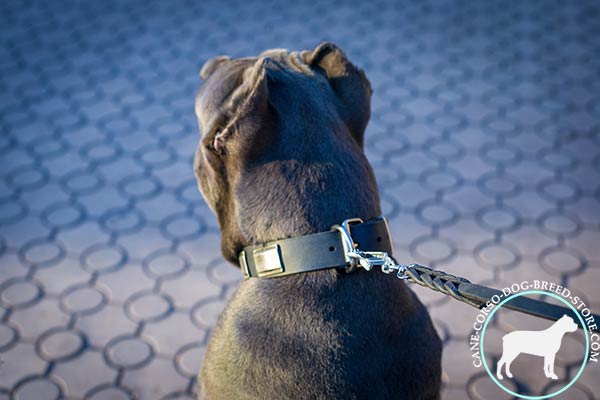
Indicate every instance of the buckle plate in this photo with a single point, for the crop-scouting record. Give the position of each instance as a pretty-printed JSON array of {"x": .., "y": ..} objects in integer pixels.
[{"x": 267, "y": 261}]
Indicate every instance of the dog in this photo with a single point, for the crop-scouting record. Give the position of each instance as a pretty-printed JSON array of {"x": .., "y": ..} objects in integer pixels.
[
  {"x": 539, "y": 343},
  {"x": 281, "y": 155}
]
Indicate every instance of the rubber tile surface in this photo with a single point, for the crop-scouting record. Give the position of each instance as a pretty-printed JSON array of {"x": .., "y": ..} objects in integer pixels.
[{"x": 484, "y": 137}]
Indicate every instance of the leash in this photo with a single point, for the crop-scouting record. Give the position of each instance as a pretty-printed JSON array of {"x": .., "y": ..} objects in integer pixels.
[
  {"x": 459, "y": 288},
  {"x": 356, "y": 244},
  {"x": 479, "y": 296}
]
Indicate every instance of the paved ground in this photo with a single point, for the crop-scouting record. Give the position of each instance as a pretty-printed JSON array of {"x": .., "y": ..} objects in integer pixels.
[{"x": 485, "y": 139}]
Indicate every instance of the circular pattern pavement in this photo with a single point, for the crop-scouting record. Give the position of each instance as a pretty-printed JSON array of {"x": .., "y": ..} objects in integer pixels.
[{"x": 484, "y": 138}]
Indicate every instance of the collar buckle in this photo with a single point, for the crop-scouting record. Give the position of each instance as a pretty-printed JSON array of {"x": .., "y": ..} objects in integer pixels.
[{"x": 244, "y": 264}]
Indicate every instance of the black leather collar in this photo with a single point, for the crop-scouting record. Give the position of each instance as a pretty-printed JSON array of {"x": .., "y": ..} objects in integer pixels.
[{"x": 313, "y": 252}]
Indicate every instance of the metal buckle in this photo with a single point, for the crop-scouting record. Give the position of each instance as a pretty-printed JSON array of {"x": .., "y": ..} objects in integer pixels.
[
  {"x": 244, "y": 264},
  {"x": 267, "y": 261}
]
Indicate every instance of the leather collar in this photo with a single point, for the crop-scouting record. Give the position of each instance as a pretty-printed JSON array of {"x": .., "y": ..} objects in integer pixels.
[{"x": 313, "y": 252}]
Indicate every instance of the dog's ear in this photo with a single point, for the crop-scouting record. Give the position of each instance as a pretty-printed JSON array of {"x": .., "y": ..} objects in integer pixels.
[
  {"x": 250, "y": 108},
  {"x": 211, "y": 65},
  {"x": 349, "y": 83}
]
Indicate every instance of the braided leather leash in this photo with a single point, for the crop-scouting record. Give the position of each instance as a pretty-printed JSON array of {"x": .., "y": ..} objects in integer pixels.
[
  {"x": 439, "y": 281},
  {"x": 478, "y": 296},
  {"x": 457, "y": 287}
]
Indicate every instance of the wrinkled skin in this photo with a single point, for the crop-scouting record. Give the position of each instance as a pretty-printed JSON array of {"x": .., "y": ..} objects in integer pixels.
[{"x": 280, "y": 156}]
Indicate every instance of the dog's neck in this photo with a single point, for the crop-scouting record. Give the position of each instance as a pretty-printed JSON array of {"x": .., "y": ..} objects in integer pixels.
[
  {"x": 297, "y": 197},
  {"x": 303, "y": 188}
]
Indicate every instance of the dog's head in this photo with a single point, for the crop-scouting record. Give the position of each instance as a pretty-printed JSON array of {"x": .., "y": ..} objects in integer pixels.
[
  {"x": 567, "y": 323},
  {"x": 281, "y": 145}
]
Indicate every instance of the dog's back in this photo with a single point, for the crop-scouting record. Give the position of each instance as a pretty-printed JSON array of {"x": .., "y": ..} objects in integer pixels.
[{"x": 323, "y": 335}]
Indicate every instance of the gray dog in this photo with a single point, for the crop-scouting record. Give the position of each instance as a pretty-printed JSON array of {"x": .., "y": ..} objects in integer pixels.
[{"x": 281, "y": 155}]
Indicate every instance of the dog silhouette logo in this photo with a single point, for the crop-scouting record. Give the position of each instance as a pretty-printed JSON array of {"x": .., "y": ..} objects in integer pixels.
[{"x": 543, "y": 343}]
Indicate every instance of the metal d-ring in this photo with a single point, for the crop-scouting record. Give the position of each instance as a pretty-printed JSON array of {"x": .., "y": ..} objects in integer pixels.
[
  {"x": 348, "y": 242},
  {"x": 355, "y": 257}
]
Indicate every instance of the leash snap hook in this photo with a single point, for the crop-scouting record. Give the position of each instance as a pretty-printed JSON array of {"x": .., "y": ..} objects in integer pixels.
[{"x": 366, "y": 259}]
